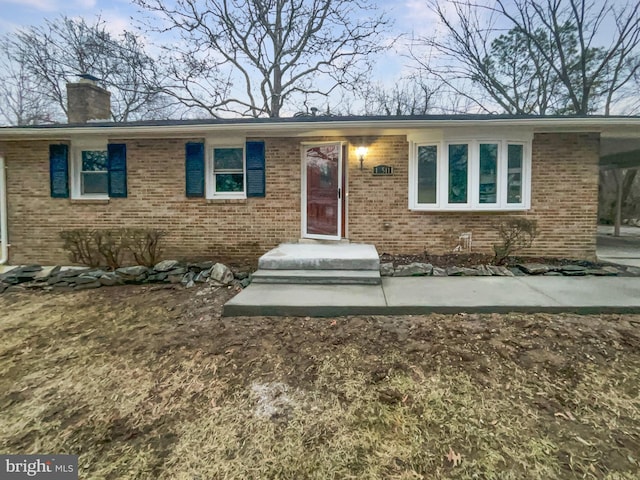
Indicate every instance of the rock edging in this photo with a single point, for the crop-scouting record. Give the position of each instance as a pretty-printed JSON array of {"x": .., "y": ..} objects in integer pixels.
[
  {"x": 83, "y": 278},
  {"x": 417, "y": 269}
]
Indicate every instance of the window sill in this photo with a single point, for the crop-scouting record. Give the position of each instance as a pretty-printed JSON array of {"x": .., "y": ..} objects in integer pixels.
[
  {"x": 224, "y": 201},
  {"x": 90, "y": 201},
  {"x": 518, "y": 208}
]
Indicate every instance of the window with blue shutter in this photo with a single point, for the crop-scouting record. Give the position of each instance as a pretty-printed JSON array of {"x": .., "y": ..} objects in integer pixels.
[
  {"x": 255, "y": 169},
  {"x": 194, "y": 169},
  {"x": 59, "y": 170},
  {"x": 117, "y": 153}
]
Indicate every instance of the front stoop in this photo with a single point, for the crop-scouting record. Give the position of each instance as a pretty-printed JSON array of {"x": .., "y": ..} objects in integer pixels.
[{"x": 336, "y": 263}]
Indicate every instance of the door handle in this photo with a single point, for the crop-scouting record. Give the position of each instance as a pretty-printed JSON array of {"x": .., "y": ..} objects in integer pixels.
[{"x": 339, "y": 192}]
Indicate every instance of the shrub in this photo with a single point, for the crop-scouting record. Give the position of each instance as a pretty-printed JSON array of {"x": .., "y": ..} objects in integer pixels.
[
  {"x": 96, "y": 248},
  {"x": 515, "y": 233},
  {"x": 145, "y": 245},
  {"x": 81, "y": 246}
]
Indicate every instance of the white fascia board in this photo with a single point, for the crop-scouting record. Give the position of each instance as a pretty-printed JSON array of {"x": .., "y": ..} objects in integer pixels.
[{"x": 609, "y": 126}]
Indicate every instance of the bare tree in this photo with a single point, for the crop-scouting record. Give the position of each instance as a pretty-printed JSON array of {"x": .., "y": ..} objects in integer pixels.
[
  {"x": 558, "y": 56},
  {"x": 254, "y": 57},
  {"x": 408, "y": 96},
  {"x": 20, "y": 100},
  {"x": 54, "y": 54}
]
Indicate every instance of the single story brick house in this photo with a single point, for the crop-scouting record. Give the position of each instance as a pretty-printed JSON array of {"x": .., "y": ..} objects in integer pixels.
[{"x": 239, "y": 187}]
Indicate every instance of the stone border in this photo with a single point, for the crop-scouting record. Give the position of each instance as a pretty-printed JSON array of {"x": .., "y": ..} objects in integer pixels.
[
  {"x": 417, "y": 269},
  {"x": 62, "y": 279}
]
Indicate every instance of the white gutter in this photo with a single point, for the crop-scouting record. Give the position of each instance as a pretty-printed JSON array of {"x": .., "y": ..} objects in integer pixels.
[{"x": 4, "y": 233}]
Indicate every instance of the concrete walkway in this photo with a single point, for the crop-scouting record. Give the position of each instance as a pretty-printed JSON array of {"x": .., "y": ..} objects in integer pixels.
[{"x": 416, "y": 295}]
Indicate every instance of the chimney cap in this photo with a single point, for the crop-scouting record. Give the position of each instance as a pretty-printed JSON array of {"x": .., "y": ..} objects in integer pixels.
[{"x": 89, "y": 77}]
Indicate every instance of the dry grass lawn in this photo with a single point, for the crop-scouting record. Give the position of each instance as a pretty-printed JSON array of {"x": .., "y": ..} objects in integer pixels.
[{"x": 150, "y": 383}]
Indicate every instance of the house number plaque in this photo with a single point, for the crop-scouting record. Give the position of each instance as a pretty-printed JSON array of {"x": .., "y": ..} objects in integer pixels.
[{"x": 383, "y": 170}]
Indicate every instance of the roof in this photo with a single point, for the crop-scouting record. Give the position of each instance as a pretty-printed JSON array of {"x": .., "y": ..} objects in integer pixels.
[{"x": 611, "y": 128}]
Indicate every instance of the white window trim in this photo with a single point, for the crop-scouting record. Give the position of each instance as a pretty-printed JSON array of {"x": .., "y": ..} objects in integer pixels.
[
  {"x": 75, "y": 167},
  {"x": 210, "y": 184},
  {"x": 473, "y": 176}
]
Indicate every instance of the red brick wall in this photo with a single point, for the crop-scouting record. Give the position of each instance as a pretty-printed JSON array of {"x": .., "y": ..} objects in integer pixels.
[{"x": 564, "y": 201}]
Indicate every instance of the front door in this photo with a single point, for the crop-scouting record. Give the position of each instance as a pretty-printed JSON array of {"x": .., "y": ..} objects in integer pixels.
[{"x": 322, "y": 191}]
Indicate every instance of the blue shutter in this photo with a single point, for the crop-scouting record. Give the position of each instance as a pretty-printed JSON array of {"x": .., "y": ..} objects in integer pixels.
[
  {"x": 59, "y": 170},
  {"x": 255, "y": 169},
  {"x": 194, "y": 169},
  {"x": 117, "y": 153}
]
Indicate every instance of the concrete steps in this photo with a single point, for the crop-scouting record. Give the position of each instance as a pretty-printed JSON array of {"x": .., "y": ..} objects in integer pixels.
[
  {"x": 318, "y": 277},
  {"x": 321, "y": 263}
]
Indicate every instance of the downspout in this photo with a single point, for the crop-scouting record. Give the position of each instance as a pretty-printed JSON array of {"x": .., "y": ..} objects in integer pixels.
[{"x": 4, "y": 233}]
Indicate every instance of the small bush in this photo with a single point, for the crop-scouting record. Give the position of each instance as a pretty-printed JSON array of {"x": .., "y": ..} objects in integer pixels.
[
  {"x": 81, "y": 246},
  {"x": 515, "y": 233},
  {"x": 145, "y": 245},
  {"x": 95, "y": 248},
  {"x": 112, "y": 246}
]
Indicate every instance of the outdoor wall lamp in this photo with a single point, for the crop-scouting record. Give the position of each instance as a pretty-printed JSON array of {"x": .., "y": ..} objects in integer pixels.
[{"x": 361, "y": 152}]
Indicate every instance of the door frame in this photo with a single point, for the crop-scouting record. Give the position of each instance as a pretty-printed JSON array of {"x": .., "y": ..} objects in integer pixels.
[{"x": 304, "y": 146}]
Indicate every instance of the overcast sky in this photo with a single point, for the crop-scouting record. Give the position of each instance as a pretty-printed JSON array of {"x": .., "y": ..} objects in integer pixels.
[{"x": 410, "y": 17}]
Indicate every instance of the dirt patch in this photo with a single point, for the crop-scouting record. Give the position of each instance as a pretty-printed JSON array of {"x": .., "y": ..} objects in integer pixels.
[{"x": 150, "y": 382}]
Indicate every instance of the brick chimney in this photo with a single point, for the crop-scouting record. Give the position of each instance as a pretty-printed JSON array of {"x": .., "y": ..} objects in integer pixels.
[{"x": 87, "y": 101}]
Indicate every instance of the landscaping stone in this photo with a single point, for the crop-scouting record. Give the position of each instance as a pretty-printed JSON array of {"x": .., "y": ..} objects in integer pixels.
[
  {"x": 177, "y": 271},
  {"x": 603, "y": 272},
  {"x": 110, "y": 279},
  {"x": 552, "y": 274},
  {"x": 132, "y": 272},
  {"x": 245, "y": 282},
  {"x": 461, "y": 272},
  {"x": 201, "y": 277},
  {"x": 187, "y": 280},
  {"x": 483, "y": 271},
  {"x": 534, "y": 268},
  {"x": 14, "y": 289},
  {"x": 205, "y": 265},
  {"x": 633, "y": 271},
  {"x": 414, "y": 269},
  {"x": 157, "y": 277},
  {"x": 82, "y": 280},
  {"x": 439, "y": 272},
  {"x": 87, "y": 286},
  {"x": 574, "y": 273},
  {"x": 386, "y": 269},
  {"x": 571, "y": 268},
  {"x": 165, "y": 265},
  {"x": 44, "y": 274},
  {"x": 499, "y": 271},
  {"x": 95, "y": 273},
  {"x": 241, "y": 275},
  {"x": 3, "y": 287},
  {"x": 221, "y": 273},
  {"x": 516, "y": 272}
]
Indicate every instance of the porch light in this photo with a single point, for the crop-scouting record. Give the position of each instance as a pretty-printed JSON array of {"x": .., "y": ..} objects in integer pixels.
[{"x": 361, "y": 152}]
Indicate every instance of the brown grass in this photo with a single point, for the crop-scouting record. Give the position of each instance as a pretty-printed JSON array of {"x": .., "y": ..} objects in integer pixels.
[{"x": 153, "y": 384}]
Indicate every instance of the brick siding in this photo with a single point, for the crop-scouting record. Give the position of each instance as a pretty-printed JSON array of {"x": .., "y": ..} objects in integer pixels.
[{"x": 564, "y": 201}]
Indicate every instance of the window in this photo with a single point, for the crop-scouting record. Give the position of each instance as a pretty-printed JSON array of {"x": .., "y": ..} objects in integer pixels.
[
  {"x": 227, "y": 172},
  {"x": 470, "y": 175},
  {"x": 90, "y": 170},
  {"x": 94, "y": 176}
]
